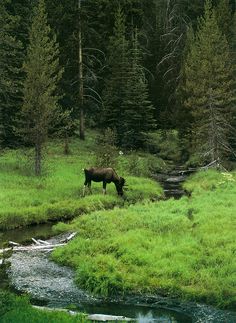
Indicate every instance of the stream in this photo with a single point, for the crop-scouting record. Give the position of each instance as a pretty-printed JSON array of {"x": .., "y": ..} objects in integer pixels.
[{"x": 52, "y": 285}]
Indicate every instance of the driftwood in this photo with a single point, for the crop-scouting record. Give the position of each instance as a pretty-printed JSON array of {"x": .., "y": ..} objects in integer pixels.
[
  {"x": 70, "y": 237},
  {"x": 12, "y": 243},
  {"x": 39, "y": 245},
  {"x": 91, "y": 317},
  {"x": 104, "y": 318}
]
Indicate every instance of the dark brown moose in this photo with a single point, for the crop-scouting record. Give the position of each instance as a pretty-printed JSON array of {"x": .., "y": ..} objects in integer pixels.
[{"x": 105, "y": 175}]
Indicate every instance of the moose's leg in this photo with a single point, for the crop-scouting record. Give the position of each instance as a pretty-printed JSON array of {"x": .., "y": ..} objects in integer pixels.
[
  {"x": 104, "y": 188},
  {"x": 86, "y": 183},
  {"x": 89, "y": 186},
  {"x": 84, "y": 188}
]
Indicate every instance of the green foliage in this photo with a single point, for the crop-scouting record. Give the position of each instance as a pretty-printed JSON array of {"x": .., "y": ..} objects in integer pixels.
[
  {"x": 106, "y": 151},
  {"x": 209, "y": 181},
  {"x": 116, "y": 81},
  {"x": 140, "y": 164},
  {"x": 43, "y": 73},
  {"x": 10, "y": 82},
  {"x": 209, "y": 89},
  {"x": 18, "y": 309},
  {"x": 224, "y": 17},
  {"x": 175, "y": 248},
  {"x": 26, "y": 199},
  {"x": 136, "y": 106},
  {"x": 166, "y": 144}
]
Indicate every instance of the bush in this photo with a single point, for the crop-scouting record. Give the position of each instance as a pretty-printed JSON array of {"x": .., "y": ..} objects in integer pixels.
[
  {"x": 106, "y": 150},
  {"x": 166, "y": 144}
]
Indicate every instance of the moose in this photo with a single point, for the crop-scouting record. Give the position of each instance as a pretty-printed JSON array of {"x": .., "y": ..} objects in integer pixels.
[{"x": 105, "y": 175}]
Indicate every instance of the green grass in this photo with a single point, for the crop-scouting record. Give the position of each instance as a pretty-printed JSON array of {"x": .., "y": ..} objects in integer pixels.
[
  {"x": 185, "y": 248},
  {"x": 18, "y": 309},
  {"x": 57, "y": 194}
]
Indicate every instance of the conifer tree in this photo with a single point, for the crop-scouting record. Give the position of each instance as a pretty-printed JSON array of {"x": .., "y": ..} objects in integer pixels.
[
  {"x": 224, "y": 18},
  {"x": 116, "y": 80},
  {"x": 136, "y": 106},
  {"x": 40, "y": 107},
  {"x": 209, "y": 89},
  {"x": 233, "y": 57},
  {"x": 10, "y": 77}
]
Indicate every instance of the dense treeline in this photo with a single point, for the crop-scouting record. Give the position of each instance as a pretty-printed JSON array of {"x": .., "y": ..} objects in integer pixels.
[{"x": 132, "y": 66}]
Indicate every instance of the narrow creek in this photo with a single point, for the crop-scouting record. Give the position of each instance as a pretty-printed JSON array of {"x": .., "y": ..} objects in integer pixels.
[{"x": 52, "y": 285}]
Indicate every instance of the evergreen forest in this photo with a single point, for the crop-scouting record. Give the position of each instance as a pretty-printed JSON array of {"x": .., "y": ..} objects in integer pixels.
[
  {"x": 131, "y": 66},
  {"x": 139, "y": 98}
]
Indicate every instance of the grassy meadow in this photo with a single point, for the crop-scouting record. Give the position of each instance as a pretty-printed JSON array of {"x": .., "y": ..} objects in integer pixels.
[
  {"x": 184, "y": 249},
  {"x": 57, "y": 194},
  {"x": 18, "y": 309}
]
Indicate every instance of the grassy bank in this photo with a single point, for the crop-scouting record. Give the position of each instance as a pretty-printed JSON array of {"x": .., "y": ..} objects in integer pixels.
[
  {"x": 184, "y": 248},
  {"x": 57, "y": 194},
  {"x": 18, "y": 309}
]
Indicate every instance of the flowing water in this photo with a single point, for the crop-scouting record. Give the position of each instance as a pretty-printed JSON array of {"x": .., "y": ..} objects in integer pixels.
[
  {"x": 52, "y": 285},
  {"x": 172, "y": 182}
]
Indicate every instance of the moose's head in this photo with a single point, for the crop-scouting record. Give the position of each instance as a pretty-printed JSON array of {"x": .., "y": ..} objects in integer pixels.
[{"x": 119, "y": 186}]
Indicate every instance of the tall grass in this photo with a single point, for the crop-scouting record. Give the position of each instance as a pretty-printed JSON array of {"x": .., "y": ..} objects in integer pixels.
[
  {"x": 57, "y": 194},
  {"x": 184, "y": 248},
  {"x": 15, "y": 309}
]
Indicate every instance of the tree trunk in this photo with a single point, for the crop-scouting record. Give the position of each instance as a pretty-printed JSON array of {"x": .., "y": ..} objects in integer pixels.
[
  {"x": 66, "y": 145},
  {"x": 81, "y": 81},
  {"x": 38, "y": 157}
]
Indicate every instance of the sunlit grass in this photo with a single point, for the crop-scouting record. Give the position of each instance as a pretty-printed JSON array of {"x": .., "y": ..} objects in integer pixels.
[
  {"x": 182, "y": 248},
  {"x": 16, "y": 309},
  {"x": 57, "y": 194}
]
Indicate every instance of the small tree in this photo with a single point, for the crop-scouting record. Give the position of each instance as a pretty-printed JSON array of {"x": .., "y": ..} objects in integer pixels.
[
  {"x": 209, "y": 89},
  {"x": 40, "y": 107},
  {"x": 136, "y": 106},
  {"x": 107, "y": 152}
]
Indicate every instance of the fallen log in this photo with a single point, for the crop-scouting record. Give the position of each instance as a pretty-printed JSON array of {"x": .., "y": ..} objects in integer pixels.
[
  {"x": 35, "y": 241},
  {"x": 39, "y": 245},
  {"x": 70, "y": 237},
  {"x": 105, "y": 318},
  {"x": 12, "y": 243},
  {"x": 91, "y": 317},
  {"x": 43, "y": 242}
]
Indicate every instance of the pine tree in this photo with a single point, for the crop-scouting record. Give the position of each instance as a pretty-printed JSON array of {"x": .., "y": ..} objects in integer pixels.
[
  {"x": 209, "y": 89},
  {"x": 224, "y": 18},
  {"x": 233, "y": 57},
  {"x": 137, "y": 108},
  {"x": 43, "y": 73},
  {"x": 116, "y": 80},
  {"x": 10, "y": 80}
]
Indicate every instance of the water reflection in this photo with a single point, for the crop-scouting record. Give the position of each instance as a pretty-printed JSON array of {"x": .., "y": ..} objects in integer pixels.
[
  {"x": 149, "y": 318},
  {"x": 141, "y": 314},
  {"x": 53, "y": 285},
  {"x": 24, "y": 235}
]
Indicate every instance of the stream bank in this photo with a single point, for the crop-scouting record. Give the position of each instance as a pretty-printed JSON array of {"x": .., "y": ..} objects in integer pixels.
[
  {"x": 52, "y": 285},
  {"x": 45, "y": 281}
]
